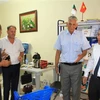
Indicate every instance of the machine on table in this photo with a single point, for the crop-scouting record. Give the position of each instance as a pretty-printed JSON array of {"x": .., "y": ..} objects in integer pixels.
[{"x": 27, "y": 55}]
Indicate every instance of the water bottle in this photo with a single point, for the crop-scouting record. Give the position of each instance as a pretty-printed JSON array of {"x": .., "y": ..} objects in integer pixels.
[
  {"x": 60, "y": 94},
  {"x": 26, "y": 61}
]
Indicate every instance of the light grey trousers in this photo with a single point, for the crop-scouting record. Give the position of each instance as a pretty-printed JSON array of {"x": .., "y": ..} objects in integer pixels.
[{"x": 71, "y": 78}]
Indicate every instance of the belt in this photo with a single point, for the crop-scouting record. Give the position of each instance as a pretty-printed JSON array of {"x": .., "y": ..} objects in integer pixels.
[
  {"x": 14, "y": 64},
  {"x": 96, "y": 77},
  {"x": 71, "y": 64}
]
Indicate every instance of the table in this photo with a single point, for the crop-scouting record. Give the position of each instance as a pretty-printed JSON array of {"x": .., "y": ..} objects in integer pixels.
[{"x": 37, "y": 72}]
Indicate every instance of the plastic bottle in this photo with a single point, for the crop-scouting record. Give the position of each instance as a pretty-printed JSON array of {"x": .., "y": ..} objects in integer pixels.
[
  {"x": 60, "y": 94},
  {"x": 26, "y": 61}
]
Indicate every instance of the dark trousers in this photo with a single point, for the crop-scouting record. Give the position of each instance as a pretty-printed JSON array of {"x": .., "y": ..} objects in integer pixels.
[
  {"x": 0, "y": 93},
  {"x": 10, "y": 80},
  {"x": 0, "y": 86},
  {"x": 94, "y": 88}
]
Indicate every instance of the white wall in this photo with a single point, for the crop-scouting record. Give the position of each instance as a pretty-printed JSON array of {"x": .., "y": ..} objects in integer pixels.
[{"x": 49, "y": 11}]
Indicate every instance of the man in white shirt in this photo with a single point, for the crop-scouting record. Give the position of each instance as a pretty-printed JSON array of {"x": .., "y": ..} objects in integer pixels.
[
  {"x": 93, "y": 65},
  {"x": 71, "y": 46},
  {"x": 3, "y": 62},
  {"x": 14, "y": 48}
]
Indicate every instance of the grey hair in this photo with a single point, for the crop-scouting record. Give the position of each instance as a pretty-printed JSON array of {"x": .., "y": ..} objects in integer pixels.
[{"x": 72, "y": 17}]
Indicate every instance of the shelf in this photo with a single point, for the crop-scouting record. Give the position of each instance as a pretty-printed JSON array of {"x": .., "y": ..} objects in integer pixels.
[
  {"x": 82, "y": 23},
  {"x": 88, "y": 23},
  {"x": 63, "y": 24}
]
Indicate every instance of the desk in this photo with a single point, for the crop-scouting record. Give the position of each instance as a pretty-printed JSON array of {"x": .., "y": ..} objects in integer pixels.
[{"x": 37, "y": 72}]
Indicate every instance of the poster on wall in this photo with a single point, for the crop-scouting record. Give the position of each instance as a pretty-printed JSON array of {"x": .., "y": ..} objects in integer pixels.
[{"x": 28, "y": 21}]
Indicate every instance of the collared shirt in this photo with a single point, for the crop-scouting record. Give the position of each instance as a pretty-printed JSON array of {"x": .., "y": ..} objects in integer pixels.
[
  {"x": 12, "y": 49},
  {"x": 71, "y": 45},
  {"x": 93, "y": 61}
]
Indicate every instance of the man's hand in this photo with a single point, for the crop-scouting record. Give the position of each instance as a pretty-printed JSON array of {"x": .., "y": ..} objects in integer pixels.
[
  {"x": 4, "y": 55},
  {"x": 20, "y": 59},
  {"x": 57, "y": 57},
  {"x": 3, "y": 52},
  {"x": 57, "y": 69},
  {"x": 5, "y": 63},
  {"x": 80, "y": 56},
  {"x": 84, "y": 80}
]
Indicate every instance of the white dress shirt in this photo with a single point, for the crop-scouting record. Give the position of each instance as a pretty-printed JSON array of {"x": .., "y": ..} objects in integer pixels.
[
  {"x": 12, "y": 49},
  {"x": 71, "y": 45},
  {"x": 93, "y": 61}
]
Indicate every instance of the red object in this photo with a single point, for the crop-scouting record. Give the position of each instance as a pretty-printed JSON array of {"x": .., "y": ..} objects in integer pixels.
[
  {"x": 83, "y": 8},
  {"x": 43, "y": 64}
]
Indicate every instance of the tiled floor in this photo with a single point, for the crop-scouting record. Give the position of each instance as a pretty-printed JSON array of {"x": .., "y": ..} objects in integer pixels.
[
  {"x": 59, "y": 97},
  {"x": 83, "y": 96}
]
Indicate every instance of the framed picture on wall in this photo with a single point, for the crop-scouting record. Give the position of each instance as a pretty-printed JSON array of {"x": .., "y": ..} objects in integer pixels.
[{"x": 28, "y": 21}]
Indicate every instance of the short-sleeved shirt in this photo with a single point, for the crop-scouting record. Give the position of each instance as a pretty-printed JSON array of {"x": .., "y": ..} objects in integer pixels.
[
  {"x": 71, "y": 45},
  {"x": 12, "y": 49}
]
